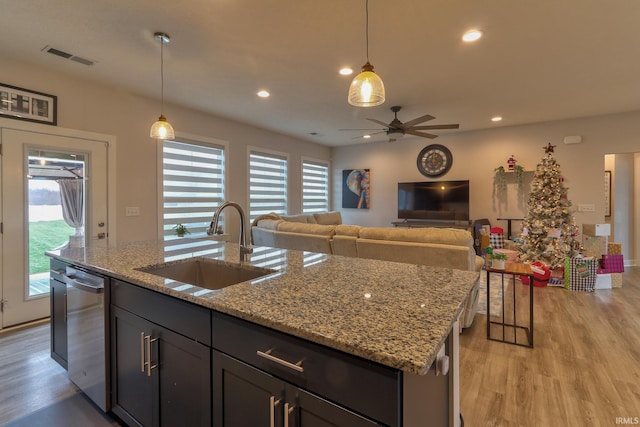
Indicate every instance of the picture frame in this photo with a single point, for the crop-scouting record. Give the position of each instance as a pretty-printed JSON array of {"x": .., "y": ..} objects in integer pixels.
[
  {"x": 356, "y": 188},
  {"x": 24, "y": 104},
  {"x": 607, "y": 193}
]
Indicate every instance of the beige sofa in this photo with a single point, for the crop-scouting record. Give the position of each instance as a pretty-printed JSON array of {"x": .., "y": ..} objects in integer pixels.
[{"x": 325, "y": 233}]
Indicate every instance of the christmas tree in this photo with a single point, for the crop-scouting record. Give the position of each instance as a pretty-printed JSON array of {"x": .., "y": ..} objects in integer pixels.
[{"x": 548, "y": 231}]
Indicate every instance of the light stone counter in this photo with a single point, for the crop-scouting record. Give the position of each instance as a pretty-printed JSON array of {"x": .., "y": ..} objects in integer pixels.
[{"x": 395, "y": 314}]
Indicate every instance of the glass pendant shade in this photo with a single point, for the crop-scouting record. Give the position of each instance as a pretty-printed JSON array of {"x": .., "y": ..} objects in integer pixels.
[
  {"x": 162, "y": 129},
  {"x": 367, "y": 89}
]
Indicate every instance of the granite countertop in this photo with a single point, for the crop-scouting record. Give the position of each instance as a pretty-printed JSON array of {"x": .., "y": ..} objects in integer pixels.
[{"x": 392, "y": 313}]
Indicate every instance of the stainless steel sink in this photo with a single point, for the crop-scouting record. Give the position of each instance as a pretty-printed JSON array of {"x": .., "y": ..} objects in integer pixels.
[{"x": 207, "y": 273}]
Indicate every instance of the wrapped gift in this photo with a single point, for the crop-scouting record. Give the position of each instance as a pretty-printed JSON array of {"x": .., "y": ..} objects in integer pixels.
[
  {"x": 596, "y": 229},
  {"x": 496, "y": 240},
  {"x": 612, "y": 263},
  {"x": 603, "y": 281},
  {"x": 614, "y": 248},
  {"x": 580, "y": 273},
  {"x": 616, "y": 280},
  {"x": 594, "y": 246}
]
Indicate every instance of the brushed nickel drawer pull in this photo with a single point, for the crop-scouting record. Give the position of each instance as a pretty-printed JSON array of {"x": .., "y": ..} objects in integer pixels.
[
  {"x": 267, "y": 355},
  {"x": 143, "y": 362},
  {"x": 150, "y": 340}
]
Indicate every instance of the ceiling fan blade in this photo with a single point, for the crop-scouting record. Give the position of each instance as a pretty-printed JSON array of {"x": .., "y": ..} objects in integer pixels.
[
  {"x": 452, "y": 126},
  {"x": 379, "y": 122},
  {"x": 381, "y": 130},
  {"x": 422, "y": 134},
  {"x": 415, "y": 121}
]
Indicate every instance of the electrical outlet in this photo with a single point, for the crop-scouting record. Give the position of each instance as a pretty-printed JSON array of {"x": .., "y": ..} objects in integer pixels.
[
  {"x": 587, "y": 208},
  {"x": 132, "y": 211}
]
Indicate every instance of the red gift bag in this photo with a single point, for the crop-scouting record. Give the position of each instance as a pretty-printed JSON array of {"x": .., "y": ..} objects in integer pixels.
[{"x": 541, "y": 275}]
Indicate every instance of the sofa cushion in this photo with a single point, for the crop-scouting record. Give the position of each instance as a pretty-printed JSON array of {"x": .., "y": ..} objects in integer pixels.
[
  {"x": 302, "y": 218},
  {"x": 348, "y": 230},
  {"x": 269, "y": 224},
  {"x": 328, "y": 218},
  {"x": 317, "y": 229},
  {"x": 447, "y": 236}
]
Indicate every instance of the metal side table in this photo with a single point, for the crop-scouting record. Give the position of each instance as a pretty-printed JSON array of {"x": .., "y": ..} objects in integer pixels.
[{"x": 514, "y": 269}]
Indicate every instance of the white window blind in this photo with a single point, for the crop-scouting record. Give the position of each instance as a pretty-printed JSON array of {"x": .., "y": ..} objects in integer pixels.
[
  {"x": 193, "y": 186},
  {"x": 315, "y": 187},
  {"x": 267, "y": 184}
]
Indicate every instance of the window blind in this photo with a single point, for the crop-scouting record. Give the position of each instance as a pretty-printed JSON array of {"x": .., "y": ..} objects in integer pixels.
[
  {"x": 267, "y": 184},
  {"x": 193, "y": 186},
  {"x": 315, "y": 187}
]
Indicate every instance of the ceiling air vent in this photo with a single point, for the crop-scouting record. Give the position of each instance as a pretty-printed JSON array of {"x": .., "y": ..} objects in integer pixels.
[{"x": 66, "y": 55}]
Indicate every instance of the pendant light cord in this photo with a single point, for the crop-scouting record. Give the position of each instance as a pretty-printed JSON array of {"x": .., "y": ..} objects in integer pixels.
[
  {"x": 161, "y": 76},
  {"x": 367, "y": 27}
]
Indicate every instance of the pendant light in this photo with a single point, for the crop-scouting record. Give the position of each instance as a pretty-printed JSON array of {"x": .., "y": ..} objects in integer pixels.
[
  {"x": 367, "y": 89},
  {"x": 162, "y": 129}
]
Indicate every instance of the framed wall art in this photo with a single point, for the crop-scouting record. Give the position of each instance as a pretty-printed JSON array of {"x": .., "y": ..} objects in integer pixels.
[
  {"x": 356, "y": 188},
  {"x": 24, "y": 104}
]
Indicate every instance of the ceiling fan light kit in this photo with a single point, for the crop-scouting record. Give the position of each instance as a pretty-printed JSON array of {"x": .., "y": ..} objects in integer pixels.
[
  {"x": 367, "y": 89},
  {"x": 162, "y": 129}
]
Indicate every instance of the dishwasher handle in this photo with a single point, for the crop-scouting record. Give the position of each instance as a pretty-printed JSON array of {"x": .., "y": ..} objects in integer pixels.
[{"x": 87, "y": 287}]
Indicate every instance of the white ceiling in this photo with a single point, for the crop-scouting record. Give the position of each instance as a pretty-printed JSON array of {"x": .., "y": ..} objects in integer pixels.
[{"x": 539, "y": 60}]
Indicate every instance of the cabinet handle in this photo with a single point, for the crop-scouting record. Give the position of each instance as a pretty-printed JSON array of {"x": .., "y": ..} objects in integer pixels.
[
  {"x": 272, "y": 410},
  {"x": 142, "y": 358},
  {"x": 149, "y": 340},
  {"x": 267, "y": 355},
  {"x": 287, "y": 411}
]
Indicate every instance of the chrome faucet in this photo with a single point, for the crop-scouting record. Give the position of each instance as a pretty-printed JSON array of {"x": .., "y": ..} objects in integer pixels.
[{"x": 244, "y": 248}]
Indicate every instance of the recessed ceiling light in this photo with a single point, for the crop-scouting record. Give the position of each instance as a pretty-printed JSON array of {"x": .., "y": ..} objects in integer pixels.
[
  {"x": 472, "y": 35},
  {"x": 346, "y": 71},
  {"x": 366, "y": 136},
  {"x": 263, "y": 94},
  {"x": 496, "y": 119}
]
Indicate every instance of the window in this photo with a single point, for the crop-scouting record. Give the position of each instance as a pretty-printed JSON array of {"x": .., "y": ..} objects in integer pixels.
[
  {"x": 315, "y": 186},
  {"x": 267, "y": 184},
  {"x": 193, "y": 186}
]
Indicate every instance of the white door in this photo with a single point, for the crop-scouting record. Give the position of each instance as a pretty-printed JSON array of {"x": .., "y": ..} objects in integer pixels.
[{"x": 28, "y": 229}]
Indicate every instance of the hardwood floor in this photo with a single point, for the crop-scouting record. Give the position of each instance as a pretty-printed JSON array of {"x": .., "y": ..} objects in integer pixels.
[
  {"x": 583, "y": 371},
  {"x": 29, "y": 378}
]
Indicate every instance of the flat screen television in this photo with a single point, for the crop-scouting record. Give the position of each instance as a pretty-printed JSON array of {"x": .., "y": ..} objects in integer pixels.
[{"x": 434, "y": 200}]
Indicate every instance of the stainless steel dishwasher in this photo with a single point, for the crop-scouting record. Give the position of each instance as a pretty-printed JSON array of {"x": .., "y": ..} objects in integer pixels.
[{"x": 86, "y": 332}]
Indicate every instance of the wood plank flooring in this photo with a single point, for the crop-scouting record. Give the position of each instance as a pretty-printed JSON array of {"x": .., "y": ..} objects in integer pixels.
[{"x": 583, "y": 371}]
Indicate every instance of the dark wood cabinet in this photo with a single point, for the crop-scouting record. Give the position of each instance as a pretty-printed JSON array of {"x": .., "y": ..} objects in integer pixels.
[
  {"x": 246, "y": 396},
  {"x": 58, "y": 301},
  {"x": 159, "y": 377}
]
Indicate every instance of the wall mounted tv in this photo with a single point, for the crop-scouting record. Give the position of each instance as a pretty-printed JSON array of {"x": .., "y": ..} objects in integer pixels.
[{"x": 434, "y": 200}]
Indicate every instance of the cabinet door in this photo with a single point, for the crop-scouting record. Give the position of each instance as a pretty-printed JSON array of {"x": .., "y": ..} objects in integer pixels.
[
  {"x": 132, "y": 389},
  {"x": 184, "y": 379},
  {"x": 244, "y": 396},
  {"x": 308, "y": 410},
  {"x": 59, "y": 322}
]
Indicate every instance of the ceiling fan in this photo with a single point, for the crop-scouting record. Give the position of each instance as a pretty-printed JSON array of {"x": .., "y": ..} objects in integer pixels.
[{"x": 396, "y": 129}]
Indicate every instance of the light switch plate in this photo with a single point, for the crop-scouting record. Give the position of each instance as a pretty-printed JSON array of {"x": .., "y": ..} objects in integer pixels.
[{"x": 132, "y": 211}]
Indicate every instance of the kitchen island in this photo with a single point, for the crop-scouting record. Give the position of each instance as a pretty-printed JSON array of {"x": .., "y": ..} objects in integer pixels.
[{"x": 391, "y": 318}]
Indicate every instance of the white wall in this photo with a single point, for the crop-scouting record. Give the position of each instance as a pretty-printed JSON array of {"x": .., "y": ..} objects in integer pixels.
[
  {"x": 477, "y": 154},
  {"x": 85, "y": 105}
]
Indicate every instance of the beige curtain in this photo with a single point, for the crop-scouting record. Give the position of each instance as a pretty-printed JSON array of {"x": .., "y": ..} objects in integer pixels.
[{"x": 72, "y": 197}]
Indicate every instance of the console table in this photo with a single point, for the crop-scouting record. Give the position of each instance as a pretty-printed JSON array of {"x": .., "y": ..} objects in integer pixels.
[
  {"x": 514, "y": 269},
  {"x": 466, "y": 225}
]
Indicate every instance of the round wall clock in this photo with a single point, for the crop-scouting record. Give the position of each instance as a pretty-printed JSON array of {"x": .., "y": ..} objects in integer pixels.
[{"x": 434, "y": 160}]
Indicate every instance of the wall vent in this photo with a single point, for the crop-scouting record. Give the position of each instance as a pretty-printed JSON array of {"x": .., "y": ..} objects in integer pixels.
[{"x": 67, "y": 55}]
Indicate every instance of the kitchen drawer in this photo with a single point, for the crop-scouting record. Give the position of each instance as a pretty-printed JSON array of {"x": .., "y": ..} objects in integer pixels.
[
  {"x": 363, "y": 386},
  {"x": 189, "y": 320},
  {"x": 57, "y": 269}
]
